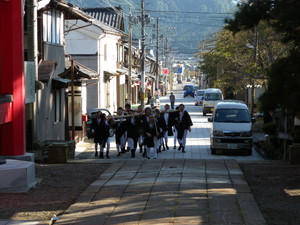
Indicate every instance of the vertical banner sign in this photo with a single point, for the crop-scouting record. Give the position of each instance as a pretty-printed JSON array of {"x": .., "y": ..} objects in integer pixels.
[{"x": 166, "y": 71}]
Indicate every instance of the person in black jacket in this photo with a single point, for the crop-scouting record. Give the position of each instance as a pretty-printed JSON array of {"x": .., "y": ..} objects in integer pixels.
[
  {"x": 100, "y": 128},
  {"x": 120, "y": 129},
  {"x": 168, "y": 117},
  {"x": 150, "y": 136},
  {"x": 144, "y": 120},
  {"x": 132, "y": 126},
  {"x": 183, "y": 125},
  {"x": 174, "y": 115},
  {"x": 162, "y": 128}
]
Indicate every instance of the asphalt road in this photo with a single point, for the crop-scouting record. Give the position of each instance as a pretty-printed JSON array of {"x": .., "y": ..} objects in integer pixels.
[{"x": 198, "y": 144}]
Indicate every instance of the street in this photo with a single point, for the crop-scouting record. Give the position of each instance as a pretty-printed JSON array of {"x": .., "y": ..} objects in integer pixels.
[{"x": 198, "y": 144}]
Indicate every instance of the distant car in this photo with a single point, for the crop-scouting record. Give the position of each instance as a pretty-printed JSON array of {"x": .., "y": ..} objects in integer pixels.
[
  {"x": 211, "y": 98},
  {"x": 199, "y": 96},
  {"x": 92, "y": 113},
  {"x": 188, "y": 80},
  {"x": 189, "y": 90}
]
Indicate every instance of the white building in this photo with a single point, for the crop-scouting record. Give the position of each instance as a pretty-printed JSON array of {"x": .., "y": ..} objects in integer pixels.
[{"x": 99, "y": 47}]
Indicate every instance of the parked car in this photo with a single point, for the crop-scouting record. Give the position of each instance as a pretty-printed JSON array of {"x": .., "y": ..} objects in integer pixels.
[
  {"x": 92, "y": 113},
  {"x": 211, "y": 98},
  {"x": 189, "y": 90},
  {"x": 199, "y": 95},
  {"x": 231, "y": 127}
]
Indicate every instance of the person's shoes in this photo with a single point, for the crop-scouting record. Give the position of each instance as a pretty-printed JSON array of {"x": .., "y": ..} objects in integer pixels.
[
  {"x": 180, "y": 147},
  {"x": 144, "y": 153},
  {"x": 119, "y": 154},
  {"x": 141, "y": 148},
  {"x": 128, "y": 149},
  {"x": 101, "y": 155},
  {"x": 123, "y": 150},
  {"x": 107, "y": 155},
  {"x": 96, "y": 154},
  {"x": 183, "y": 151},
  {"x": 148, "y": 157},
  {"x": 164, "y": 149},
  {"x": 132, "y": 153},
  {"x": 167, "y": 147},
  {"x": 174, "y": 147}
]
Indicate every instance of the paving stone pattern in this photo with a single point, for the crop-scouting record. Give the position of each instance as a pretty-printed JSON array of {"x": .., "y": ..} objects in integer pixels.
[{"x": 182, "y": 191}]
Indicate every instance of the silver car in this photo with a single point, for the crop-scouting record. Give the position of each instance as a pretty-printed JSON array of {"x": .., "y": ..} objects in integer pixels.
[{"x": 199, "y": 95}]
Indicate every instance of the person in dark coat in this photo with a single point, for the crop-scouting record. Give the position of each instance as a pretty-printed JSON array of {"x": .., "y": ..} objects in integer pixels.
[
  {"x": 144, "y": 120},
  {"x": 132, "y": 126},
  {"x": 183, "y": 125},
  {"x": 162, "y": 128},
  {"x": 172, "y": 100},
  {"x": 174, "y": 115},
  {"x": 168, "y": 117},
  {"x": 140, "y": 129},
  {"x": 120, "y": 129},
  {"x": 100, "y": 128},
  {"x": 150, "y": 136}
]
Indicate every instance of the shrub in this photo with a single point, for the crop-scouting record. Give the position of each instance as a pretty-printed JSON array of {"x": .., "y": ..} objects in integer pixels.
[
  {"x": 296, "y": 136},
  {"x": 270, "y": 128}
]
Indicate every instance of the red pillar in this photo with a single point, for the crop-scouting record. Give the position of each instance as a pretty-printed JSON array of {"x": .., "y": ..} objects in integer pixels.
[{"x": 12, "y": 134}]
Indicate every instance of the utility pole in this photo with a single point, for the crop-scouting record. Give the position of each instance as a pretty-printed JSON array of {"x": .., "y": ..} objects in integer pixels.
[
  {"x": 72, "y": 100},
  {"x": 129, "y": 58},
  {"x": 143, "y": 54},
  {"x": 157, "y": 64},
  {"x": 255, "y": 64},
  {"x": 166, "y": 53}
]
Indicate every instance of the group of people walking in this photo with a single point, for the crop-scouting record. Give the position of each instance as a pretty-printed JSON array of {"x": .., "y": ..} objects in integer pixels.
[{"x": 147, "y": 129}]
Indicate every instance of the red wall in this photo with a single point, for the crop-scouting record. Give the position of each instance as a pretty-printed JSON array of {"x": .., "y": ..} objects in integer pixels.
[{"x": 12, "y": 134}]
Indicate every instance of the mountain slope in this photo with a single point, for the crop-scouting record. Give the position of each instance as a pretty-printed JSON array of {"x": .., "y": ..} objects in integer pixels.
[{"x": 184, "y": 22}]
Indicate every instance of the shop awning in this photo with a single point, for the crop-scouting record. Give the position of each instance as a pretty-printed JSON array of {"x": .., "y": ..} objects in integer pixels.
[
  {"x": 84, "y": 69},
  {"x": 122, "y": 71},
  {"x": 58, "y": 83},
  {"x": 79, "y": 73},
  {"x": 108, "y": 75}
]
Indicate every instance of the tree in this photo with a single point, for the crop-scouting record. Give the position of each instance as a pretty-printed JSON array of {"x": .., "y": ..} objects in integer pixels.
[
  {"x": 284, "y": 75},
  {"x": 232, "y": 62}
]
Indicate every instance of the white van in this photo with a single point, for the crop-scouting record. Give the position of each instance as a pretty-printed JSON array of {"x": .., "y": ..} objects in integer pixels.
[
  {"x": 210, "y": 100},
  {"x": 231, "y": 127}
]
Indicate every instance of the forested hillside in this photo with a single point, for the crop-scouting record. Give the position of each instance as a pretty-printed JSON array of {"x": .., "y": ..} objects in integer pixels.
[{"x": 184, "y": 22}]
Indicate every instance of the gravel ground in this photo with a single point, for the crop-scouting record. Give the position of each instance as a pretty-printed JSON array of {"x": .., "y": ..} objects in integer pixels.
[
  {"x": 275, "y": 186},
  {"x": 57, "y": 188},
  {"x": 276, "y": 189}
]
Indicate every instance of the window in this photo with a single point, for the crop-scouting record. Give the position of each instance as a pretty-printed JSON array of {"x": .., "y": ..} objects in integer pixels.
[
  {"x": 57, "y": 105},
  {"x": 212, "y": 96},
  {"x": 53, "y": 27},
  {"x": 232, "y": 116}
]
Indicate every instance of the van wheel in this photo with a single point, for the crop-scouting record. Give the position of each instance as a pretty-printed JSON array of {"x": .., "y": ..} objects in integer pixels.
[{"x": 213, "y": 151}]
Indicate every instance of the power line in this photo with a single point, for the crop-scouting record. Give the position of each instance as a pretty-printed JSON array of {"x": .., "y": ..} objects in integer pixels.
[{"x": 190, "y": 12}]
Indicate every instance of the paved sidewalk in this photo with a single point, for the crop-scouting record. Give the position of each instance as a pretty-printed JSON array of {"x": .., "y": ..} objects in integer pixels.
[{"x": 164, "y": 191}]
